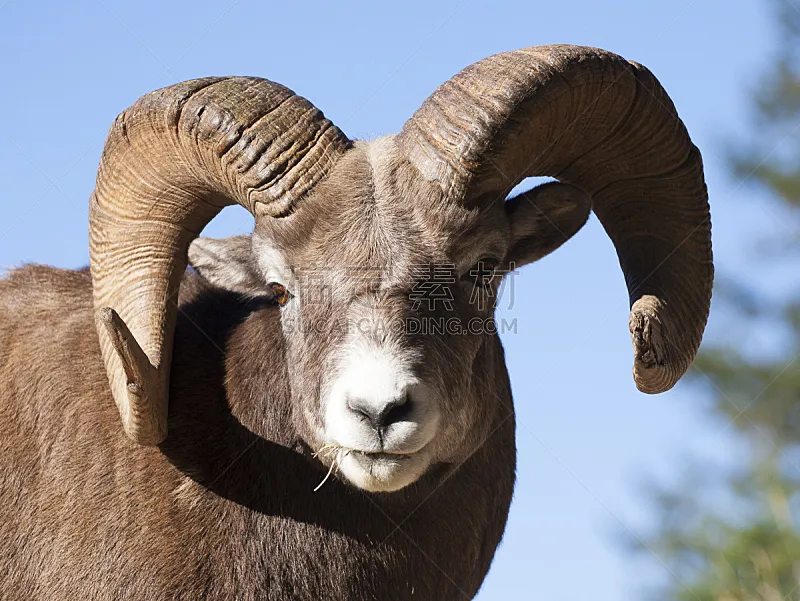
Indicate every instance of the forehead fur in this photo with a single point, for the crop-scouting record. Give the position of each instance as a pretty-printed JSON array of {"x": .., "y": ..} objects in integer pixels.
[{"x": 375, "y": 210}]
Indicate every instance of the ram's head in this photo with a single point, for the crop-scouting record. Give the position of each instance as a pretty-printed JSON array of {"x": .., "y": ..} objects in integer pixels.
[{"x": 386, "y": 256}]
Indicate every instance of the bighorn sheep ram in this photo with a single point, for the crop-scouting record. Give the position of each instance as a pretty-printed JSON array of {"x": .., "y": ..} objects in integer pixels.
[{"x": 238, "y": 387}]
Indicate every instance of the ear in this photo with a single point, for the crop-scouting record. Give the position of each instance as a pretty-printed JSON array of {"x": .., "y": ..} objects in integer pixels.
[
  {"x": 227, "y": 263},
  {"x": 543, "y": 218}
]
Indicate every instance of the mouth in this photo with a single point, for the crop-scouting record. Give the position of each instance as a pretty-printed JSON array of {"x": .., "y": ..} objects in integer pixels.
[
  {"x": 375, "y": 471},
  {"x": 381, "y": 464},
  {"x": 377, "y": 455}
]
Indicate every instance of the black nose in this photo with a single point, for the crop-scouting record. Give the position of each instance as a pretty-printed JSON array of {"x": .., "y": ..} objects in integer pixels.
[{"x": 382, "y": 416}]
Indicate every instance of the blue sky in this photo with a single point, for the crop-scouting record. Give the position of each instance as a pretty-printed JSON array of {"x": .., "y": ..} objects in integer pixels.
[{"x": 586, "y": 437}]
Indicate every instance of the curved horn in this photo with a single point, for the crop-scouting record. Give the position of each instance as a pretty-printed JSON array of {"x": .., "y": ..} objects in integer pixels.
[
  {"x": 171, "y": 162},
  {"x": 590, "y": 118}
]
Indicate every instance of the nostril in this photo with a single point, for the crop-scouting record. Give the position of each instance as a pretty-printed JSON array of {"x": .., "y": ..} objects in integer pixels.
[
  {"x": 360, "y": 410},
  {"x": 396, "y": 411},
  {"x": 382, "y": 417}
]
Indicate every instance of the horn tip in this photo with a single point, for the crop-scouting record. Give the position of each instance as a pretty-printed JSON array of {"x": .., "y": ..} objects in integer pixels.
[
  {"x": 139, "y": 393},
  {"x": 655, "y": 368}
]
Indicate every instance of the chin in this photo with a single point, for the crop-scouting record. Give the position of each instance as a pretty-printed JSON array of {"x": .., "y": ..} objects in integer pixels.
[{"x": 383, "y": 472}]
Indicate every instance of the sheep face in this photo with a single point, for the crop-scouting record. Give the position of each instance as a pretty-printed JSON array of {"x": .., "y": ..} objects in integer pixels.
[{"x": 387, "y": 297}]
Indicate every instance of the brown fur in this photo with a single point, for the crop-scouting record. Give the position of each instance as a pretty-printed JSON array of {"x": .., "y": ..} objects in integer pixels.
[{"x": 225, "y": 508}]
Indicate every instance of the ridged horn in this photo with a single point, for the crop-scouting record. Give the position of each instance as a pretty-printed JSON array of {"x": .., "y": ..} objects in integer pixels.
[
  {"x": 595, "y": 120},
  {"x": 171, "y": 162}
]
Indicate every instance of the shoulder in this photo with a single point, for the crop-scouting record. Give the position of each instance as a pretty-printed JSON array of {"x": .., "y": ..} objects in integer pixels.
[{"x": 40, "y": 287}]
